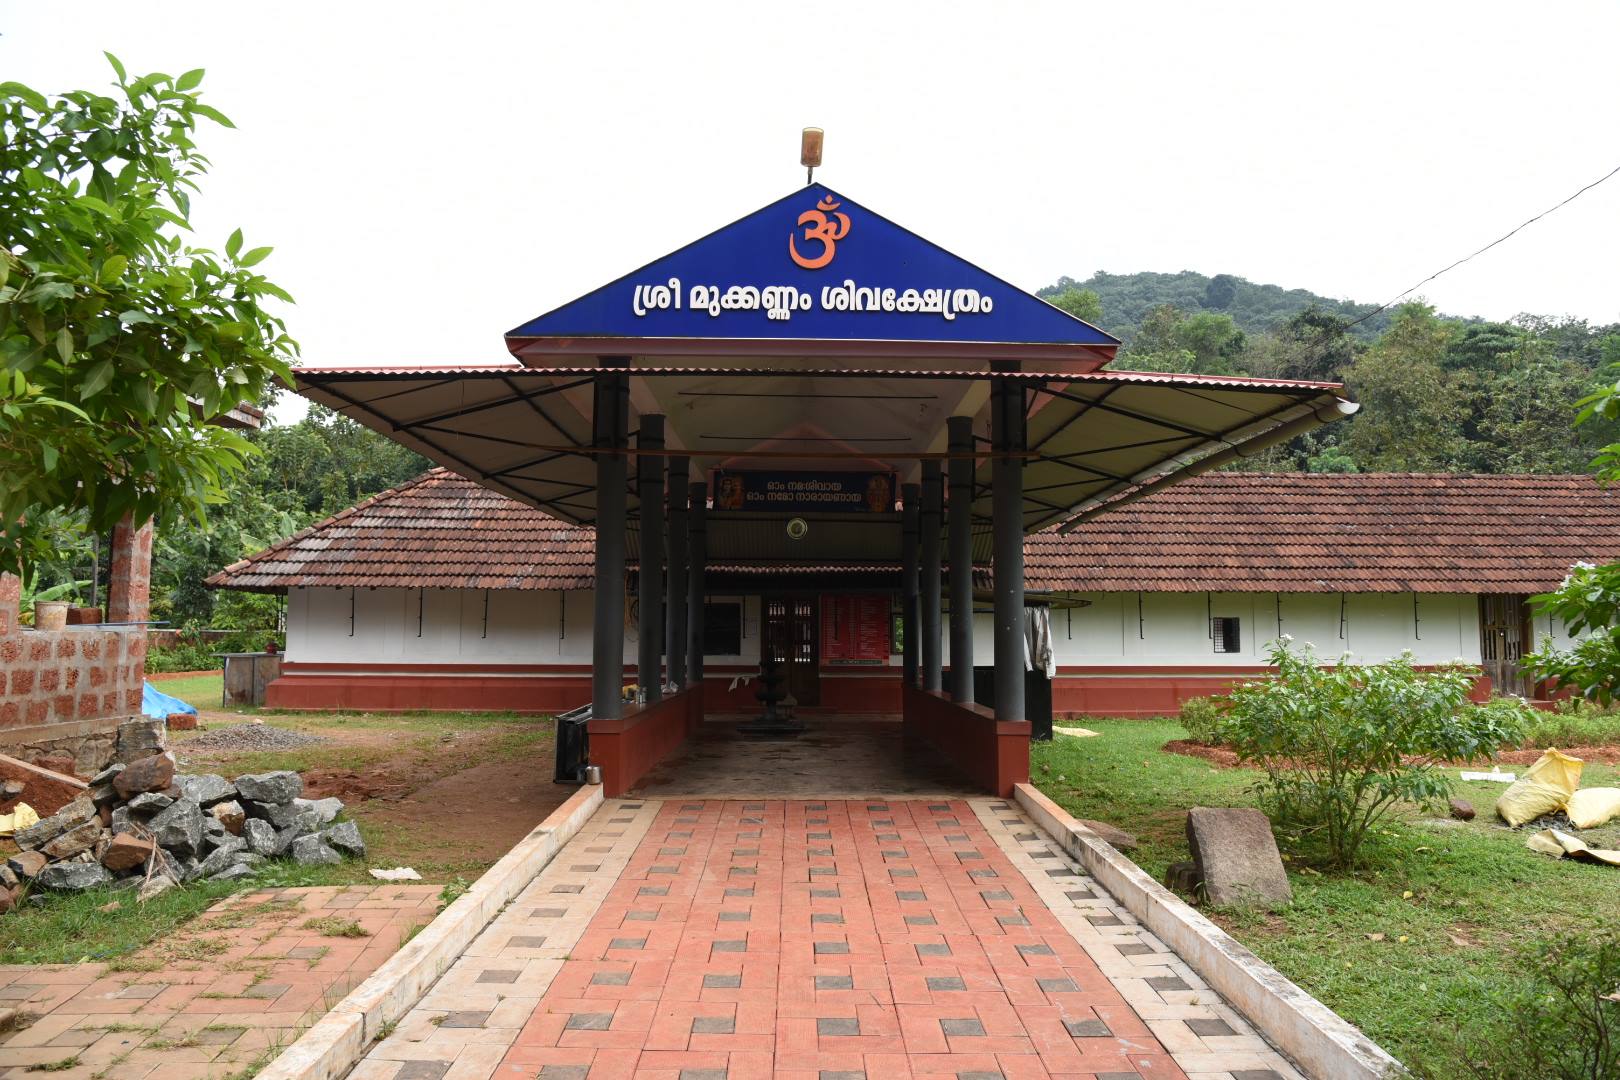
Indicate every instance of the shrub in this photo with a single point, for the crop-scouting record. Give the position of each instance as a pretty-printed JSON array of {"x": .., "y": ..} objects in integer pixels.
[
  {"x": 1342, "y": 744},
  {"x": 1561, "y": 1022},
  {"x": 1574, "y": 722},
  {"x": 1202, "y": 716},
  {"x": 187, "y": 656}
]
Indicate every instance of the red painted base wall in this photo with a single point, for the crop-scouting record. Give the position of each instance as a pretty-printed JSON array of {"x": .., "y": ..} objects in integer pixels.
[
  {"x": 993, "y": 754},
  {"x": 535, "y": 688},
  {"x": 628, "y": 747}
]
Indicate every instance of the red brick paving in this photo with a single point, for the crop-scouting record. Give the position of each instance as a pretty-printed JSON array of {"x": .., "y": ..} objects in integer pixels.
[{"x": 822, "y": 940}]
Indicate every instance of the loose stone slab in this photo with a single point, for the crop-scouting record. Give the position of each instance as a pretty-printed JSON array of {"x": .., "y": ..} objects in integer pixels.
[{"x": 1237, "y": 857}]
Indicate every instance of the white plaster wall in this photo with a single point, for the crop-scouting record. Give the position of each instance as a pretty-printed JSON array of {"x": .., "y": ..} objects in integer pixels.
[
  {"x": 555, "y": 627},
  {"x": 1172, "y": 629},
  {"x": 448, "y": 626}
]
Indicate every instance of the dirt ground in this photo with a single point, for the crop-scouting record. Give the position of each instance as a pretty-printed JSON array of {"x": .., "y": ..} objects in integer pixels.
[{"x": 447, "y": 794}]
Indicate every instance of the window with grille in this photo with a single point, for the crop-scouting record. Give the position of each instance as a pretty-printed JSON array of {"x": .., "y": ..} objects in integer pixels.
[{"x": 1224, "y": 632}]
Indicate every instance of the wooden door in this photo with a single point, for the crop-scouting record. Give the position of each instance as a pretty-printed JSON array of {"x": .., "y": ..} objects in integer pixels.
[
  {"x": 1502, "y": 634},
  {"x": 791, "y": 640}
]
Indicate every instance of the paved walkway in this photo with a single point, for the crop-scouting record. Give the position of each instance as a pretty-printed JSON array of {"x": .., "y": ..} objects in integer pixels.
[
  {"x": 818, "y": 940},
  {"x": 214, "y": 998},
  {"x": 839, "y": 756}
]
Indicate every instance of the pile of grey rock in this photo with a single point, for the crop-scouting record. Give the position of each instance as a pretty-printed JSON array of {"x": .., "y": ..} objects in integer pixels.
[{"x": 142, "y": 826}]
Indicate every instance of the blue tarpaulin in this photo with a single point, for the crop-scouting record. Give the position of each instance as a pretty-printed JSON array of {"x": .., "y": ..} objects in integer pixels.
[{"x": 158, "y": 705}]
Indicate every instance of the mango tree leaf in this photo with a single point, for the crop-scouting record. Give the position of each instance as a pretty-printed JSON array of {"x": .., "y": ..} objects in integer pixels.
[{"x": 254, "y": 257}]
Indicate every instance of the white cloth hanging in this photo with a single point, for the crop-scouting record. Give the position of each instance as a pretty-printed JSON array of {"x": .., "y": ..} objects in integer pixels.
[{"x": 1038, "y": 654}]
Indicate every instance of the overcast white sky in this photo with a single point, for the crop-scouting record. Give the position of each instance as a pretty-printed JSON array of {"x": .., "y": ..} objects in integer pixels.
[{"x": 431, "y": 175}]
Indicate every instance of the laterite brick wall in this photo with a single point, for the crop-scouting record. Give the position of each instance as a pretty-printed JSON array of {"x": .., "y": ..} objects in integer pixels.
[{"x": 68, "y": 690}]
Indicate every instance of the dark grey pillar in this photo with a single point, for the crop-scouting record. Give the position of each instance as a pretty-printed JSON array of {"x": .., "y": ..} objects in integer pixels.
[
  {"x": 697, "y": 543},
  {"x": 933, "y": 498},
  {"x": 910, "y": 513},
  {"x": 961, "y": 557},
  {"x": 610, "y": 432},
  {"x": 650, "y": 611},
  {"x": 675, "y": 588},
  {"x": 1007, "y": 509}
]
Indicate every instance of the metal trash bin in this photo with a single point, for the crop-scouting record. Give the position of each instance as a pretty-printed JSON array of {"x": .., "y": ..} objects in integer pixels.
[{"x": 573, "y": 746}]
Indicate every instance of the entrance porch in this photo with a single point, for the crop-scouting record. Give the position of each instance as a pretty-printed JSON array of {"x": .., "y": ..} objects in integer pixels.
[{"x": 902, "y": 412}]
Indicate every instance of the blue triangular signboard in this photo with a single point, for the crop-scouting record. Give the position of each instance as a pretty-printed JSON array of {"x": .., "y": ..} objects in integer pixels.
[{"x": 813, "y": 266}]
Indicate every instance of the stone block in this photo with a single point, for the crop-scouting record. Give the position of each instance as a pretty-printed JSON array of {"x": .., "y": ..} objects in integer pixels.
[
  {"x": 346, "y": 839},
  {"x": 313, "y": 851},
  {"x": 261, "y": 837},
  {"x": 271, "y": 788},
  {"x": 230, "y": 815},
  {"x": 27, "y": 864},
  {"x": 179, "y": 828},
  {"x": 207, "y": 789},
  {"x": 154, "y": 772},
  {"x": 81, "y": 837},
  {"x": 141, "y": 737},
  {"x": 126, "y": 852},
  {"x": 71, "y": 816},
  {"x": 1237, "y": 857},
  {"x": 73, "y": 876}
]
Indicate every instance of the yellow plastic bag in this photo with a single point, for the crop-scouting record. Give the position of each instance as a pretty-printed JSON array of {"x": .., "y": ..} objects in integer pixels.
[
  {"x": 1593, "y": 806},
  {"x": 22, "y": 815},
  {"x": 1561, "y": 844},
  {"x": 1546, "y": 787}
]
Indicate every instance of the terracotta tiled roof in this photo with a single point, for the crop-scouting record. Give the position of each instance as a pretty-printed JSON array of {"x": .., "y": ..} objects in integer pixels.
[
  {"x": 1225, "y": 532},
  {"x": 1377, "y": 532},
  {"x": 439, "y": 531}
]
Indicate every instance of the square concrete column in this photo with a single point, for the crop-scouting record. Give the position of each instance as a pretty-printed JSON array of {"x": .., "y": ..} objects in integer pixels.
[
  {"x": 676, "y": 587},
  {"x": 610, "y": 424},
  {"x": 1007, "y": 439},
  {"x": 697, "y": 554},
  {"x": 933, "y": 497},
  {"x": 961, "y": 557},
  {"x": 650, "y": 606},
  {"x": 910, "y": 517}
]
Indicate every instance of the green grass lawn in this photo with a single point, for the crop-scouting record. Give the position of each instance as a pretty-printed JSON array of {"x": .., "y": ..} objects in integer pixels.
[
  {"x": 200, "y": 691},
  {"x": 1453, "y": 901}
]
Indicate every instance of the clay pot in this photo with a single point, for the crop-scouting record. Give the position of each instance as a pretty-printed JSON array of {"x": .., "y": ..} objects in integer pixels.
[{"x": 50, "y": 615}]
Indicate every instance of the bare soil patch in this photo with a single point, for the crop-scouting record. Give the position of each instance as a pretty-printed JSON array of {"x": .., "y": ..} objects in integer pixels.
[
  {"x": 444, "y": 798},
  {"x": 1218, "y": 755}
]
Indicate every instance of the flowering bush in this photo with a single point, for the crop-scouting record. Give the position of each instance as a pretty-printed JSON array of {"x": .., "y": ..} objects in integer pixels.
[
  {"x": 1342, "y": 744},
  {"x": 1587, "y": 603}
]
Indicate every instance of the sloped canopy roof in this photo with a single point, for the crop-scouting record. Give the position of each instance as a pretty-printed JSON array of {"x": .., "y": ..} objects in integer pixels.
[
  {"x": 1223, "y": 532},
  {"x": 526, "y": 433}
]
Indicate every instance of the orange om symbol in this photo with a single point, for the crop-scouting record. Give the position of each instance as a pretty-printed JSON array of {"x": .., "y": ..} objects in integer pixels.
[{"x": 817, "y": 226}]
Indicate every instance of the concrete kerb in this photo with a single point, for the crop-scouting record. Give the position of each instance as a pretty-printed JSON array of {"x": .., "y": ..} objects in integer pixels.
[
  {"x": 1320, "y": 1041},
  {"x": 335, "y": 1042}
]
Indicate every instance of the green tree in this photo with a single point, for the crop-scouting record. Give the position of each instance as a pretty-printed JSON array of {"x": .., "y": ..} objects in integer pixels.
[
  {"x": 1411, "y": 416},
  {"x": 1081, "y": 303},
  {"x": 120, "y": 339}
]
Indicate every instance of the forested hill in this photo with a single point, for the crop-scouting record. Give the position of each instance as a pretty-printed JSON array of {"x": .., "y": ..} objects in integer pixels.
[
  {"x": 1127, "y": 298},
  {"x": 1438, "y": 393}
]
